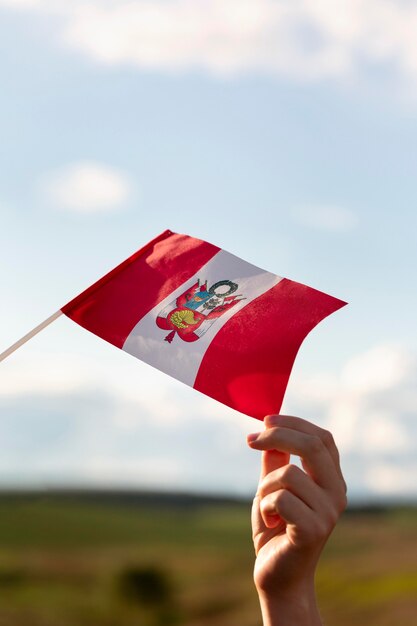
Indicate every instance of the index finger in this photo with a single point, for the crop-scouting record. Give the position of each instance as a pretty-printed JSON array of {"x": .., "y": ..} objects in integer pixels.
[
  {"x": 314, "y": 454},
  {"x": 297, "y": 423}
]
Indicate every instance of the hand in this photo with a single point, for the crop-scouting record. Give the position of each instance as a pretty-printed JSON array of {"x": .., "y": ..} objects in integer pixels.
[{"x": 293, "y": 514}]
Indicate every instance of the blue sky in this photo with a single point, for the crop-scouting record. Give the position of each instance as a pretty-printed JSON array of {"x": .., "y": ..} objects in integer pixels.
[{"x": 284, "y": 135}]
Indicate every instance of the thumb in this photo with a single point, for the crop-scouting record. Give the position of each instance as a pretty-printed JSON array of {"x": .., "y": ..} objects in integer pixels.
[{"x": 272, "y": 460}]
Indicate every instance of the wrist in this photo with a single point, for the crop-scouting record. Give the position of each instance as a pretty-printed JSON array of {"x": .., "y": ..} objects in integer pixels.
[{"x": 290, "y": 606}]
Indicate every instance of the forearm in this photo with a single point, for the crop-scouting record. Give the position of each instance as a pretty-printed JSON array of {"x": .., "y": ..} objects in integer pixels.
[{"x": 298, "y": 607}]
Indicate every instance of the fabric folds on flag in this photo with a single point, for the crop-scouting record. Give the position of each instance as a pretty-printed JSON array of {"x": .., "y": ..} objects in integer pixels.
[{"x": 206, "y": 317}]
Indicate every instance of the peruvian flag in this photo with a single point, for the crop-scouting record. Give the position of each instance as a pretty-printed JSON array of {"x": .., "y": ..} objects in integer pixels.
[{"x": 206, "y": 317}]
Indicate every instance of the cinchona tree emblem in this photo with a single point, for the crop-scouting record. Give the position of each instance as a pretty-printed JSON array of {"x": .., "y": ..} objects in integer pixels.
[{"x": 194, "y": 311}]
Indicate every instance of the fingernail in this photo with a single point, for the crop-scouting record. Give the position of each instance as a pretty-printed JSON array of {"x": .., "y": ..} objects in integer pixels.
[{"x": 252, "y": 437}]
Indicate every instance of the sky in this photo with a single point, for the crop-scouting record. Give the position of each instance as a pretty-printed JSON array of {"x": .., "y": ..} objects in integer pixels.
[{"x": 282, "y": 132}]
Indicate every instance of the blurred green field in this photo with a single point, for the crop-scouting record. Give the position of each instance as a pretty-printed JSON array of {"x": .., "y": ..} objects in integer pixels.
[{"x": 108, "y": 560}]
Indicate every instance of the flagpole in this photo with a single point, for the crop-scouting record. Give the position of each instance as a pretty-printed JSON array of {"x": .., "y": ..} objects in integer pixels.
[{"x": 29, "y": 335}]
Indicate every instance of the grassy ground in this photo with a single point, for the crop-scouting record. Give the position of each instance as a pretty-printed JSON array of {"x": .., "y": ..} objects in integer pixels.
[{"x": 90, "y": 561}]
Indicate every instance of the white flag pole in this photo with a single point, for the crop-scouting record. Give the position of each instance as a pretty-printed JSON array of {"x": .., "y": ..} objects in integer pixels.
[{"x": 29, "y": 335}]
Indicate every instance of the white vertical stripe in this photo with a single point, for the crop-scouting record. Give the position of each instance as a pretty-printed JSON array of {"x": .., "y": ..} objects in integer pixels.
[{"x": 181, "y": 359}]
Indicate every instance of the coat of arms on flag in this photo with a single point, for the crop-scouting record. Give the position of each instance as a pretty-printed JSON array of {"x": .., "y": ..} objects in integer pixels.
[{"x": 194, "y": 311}]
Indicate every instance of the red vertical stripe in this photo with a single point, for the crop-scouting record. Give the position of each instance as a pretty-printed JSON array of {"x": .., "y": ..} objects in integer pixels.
[
  {"x": 112, "y": 306},
  {"x": 249, "y": 361}
]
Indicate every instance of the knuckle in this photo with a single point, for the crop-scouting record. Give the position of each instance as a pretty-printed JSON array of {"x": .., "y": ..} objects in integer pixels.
[
  {"x": 269, "y": 506},
  {"x": 281, "y": 499},
  {"x": 331, "y": 518},
  {"x": 341, "y": 491},
  {"x": 284, "y": 477},
  {"x": 271, "y": 420},
  {"x": 315, "y": 445},
  {"x": 342, "y": 504},
  {"x": 290, "y": 474},
  {"x": 273, "y": 502},
  {"x": 327, "y": 438}
]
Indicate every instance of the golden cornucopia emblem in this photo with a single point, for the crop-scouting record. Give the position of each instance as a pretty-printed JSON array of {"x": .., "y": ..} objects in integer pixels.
[{"x": 182, "y": 319}]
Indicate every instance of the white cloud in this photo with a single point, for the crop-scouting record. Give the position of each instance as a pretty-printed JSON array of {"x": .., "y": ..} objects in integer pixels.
[
  {"x": 385, "y": 478},
  {"x": 382, "y": 367},
  {"x": 302, "y": 39},
  {"x": 87, "y": 187},
  {"x": 18, "y": 4},
  {"x": 384, "y": 433},
  {"x": 330, "y": 218},
  {"x": 30, "y": 373}
]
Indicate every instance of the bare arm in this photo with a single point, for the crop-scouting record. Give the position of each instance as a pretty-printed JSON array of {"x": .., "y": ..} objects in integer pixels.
[{"x": 294, "y": 512}]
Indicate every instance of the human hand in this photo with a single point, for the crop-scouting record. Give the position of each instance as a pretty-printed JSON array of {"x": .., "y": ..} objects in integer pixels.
[{"x": 293, "y": 514}]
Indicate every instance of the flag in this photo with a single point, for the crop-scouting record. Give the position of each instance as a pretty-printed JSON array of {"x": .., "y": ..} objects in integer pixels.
[{"x": 206, "y": 317}]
